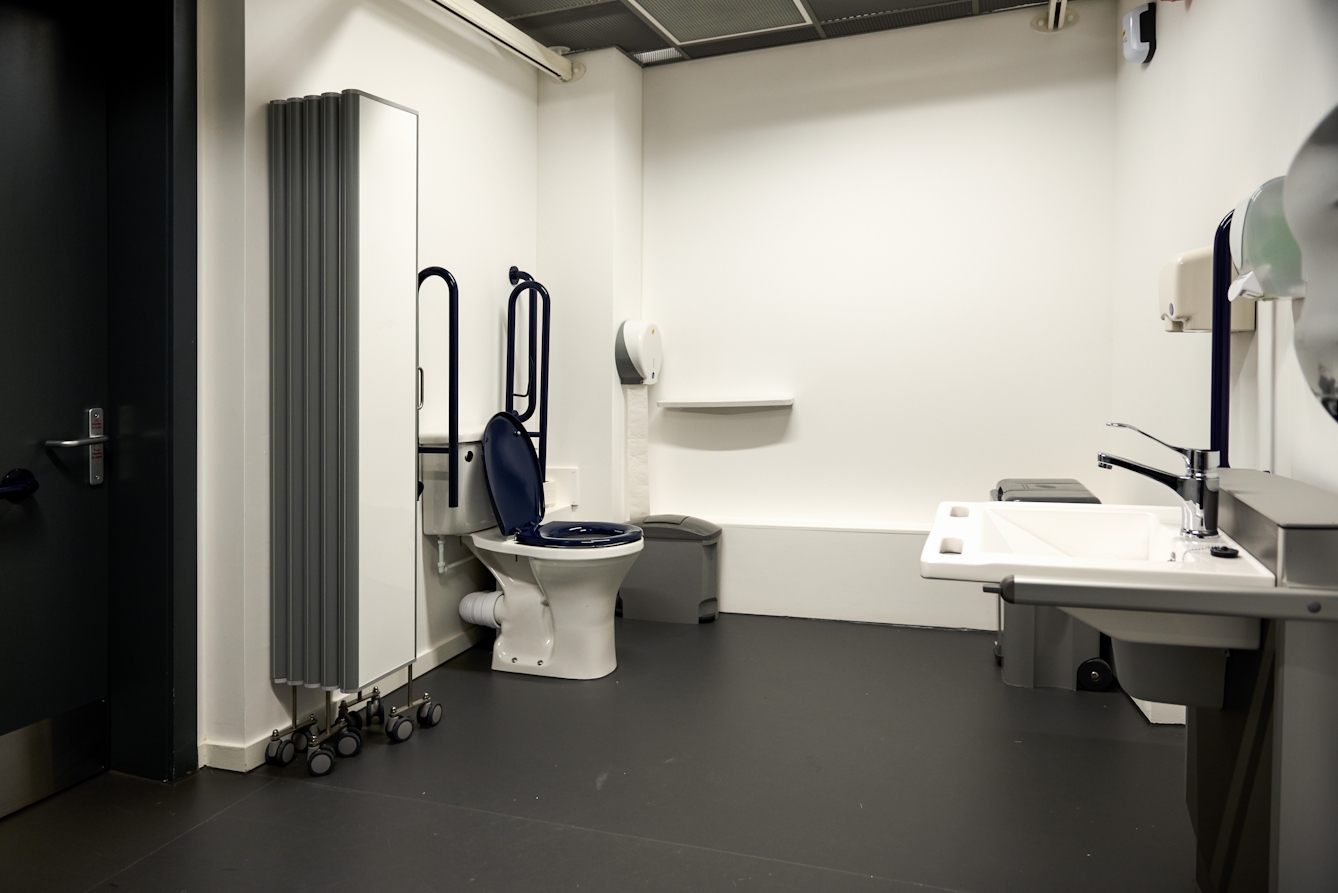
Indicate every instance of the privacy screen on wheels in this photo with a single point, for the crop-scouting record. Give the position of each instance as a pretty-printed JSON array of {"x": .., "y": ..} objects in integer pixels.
[{"x": 344, "y": 422}]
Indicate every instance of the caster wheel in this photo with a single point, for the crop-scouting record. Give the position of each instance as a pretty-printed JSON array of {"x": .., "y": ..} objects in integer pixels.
[
  {"x": 399, "y": 728},
  {"x": 321, "y": 760},
  {"x": 354, "y": 718},
  {"x": 1095, "y": 675},
  {"x": 374, "y": 711},
  {"x": 300, "y": 741},
  {"x": 280, "y": 752},
  {"x": 429, "y": 714},
  {"x": 347, "y": 743}
]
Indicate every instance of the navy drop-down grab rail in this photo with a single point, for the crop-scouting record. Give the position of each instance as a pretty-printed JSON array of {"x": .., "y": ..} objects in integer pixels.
[
  {"x": 453, "y": 386},
  {"x": 1220, "y": 413},
  {"x": 536, "y": 397}
]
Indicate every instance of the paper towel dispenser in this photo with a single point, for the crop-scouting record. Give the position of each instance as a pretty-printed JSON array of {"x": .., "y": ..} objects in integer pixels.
[
  {"x": 1187, "y": 295},
  {"x": 1263, "y": 249},
  {"x": 638, "y": 352}
]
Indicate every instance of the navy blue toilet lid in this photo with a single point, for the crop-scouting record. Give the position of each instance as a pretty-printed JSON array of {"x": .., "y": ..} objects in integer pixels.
[
  {"x": 511, "y": 469},
  {"x": 516, "y": 489}
]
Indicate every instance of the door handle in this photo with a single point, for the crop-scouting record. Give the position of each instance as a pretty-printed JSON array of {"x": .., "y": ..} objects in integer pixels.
[
  {"x": 82, "y": 441},
  {"x": 18, "y": 484},
  {"x": 94, "y": 441}
]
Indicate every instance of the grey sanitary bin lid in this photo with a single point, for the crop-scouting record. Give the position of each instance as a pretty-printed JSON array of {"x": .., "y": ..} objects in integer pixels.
[
  {"x": 1043, "y": 490},
  {"x": 679, "y": 527}
]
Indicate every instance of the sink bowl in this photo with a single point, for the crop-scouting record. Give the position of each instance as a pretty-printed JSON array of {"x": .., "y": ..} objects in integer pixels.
[{"x": 987, "y": 541}]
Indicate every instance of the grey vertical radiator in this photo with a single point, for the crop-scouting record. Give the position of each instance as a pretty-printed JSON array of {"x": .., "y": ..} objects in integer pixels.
[{"x": 343, "y": 372}]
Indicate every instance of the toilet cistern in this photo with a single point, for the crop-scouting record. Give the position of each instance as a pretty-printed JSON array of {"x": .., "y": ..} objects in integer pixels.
[{"x": 1197, "y": 487}]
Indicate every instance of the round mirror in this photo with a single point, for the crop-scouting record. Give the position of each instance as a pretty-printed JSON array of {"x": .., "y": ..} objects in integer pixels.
[{"x": 1310, "y": 199}]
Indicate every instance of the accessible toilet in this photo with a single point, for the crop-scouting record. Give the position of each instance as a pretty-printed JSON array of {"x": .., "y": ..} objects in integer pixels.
[{"x": 554, "y": 613}]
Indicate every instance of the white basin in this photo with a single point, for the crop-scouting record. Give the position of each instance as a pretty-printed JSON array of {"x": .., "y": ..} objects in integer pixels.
[{"x": 988, "y": 541}]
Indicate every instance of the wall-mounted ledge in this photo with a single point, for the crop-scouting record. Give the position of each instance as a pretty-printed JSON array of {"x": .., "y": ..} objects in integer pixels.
[{"x": 727, "y": 406}]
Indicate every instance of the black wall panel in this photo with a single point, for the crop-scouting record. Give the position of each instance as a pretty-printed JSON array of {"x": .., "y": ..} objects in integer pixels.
[{"x": 152, "y": 408}]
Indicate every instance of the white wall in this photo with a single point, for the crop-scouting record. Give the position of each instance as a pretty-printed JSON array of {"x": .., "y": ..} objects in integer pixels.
[
  {"x": 477, "y": 185},
  {"x": 834, "y": 573},
  {"x": 590, "y": 260},
  {"x": 1234, "y": 89},
  {"x": 910, "y": 233}
]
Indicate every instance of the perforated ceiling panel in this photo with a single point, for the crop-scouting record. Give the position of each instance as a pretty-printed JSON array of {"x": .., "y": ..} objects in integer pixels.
[
  {"x": 593, "y": 27},
  {"x": 753, "y": 42},
  {"x": 687, "y": 29},
  {"x": 510, "y": 9},
  {"x": 689, "y": 20},
  {"x": 1001, "y": 5}
]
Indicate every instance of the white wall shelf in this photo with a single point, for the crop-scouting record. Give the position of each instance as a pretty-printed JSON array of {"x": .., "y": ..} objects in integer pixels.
[{"x": 728, "y": 405}]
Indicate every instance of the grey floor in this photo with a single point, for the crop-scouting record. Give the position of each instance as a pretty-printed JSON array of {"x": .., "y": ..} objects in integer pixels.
[{"x": 754, "y": 753}]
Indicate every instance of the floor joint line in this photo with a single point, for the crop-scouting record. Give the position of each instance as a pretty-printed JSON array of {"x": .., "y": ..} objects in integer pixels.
[
  {"x": 619, "y": 834},
  {"x": 168, "y": 843}
]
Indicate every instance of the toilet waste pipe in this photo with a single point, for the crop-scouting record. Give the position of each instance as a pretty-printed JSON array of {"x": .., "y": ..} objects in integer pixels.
[
  {"x": 453, "y": 385},
  {"x": 480, "y": 609}
]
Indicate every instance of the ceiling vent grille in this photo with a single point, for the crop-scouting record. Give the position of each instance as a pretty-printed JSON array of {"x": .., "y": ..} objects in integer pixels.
[
  {"x": 899, "y": 19},
  {"x": 834, "y": 10},
  {"x": 655, "y": 57}
]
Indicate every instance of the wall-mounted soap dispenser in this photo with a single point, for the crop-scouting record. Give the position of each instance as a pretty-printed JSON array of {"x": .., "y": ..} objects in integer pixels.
[{"x": 638, "y": 352}]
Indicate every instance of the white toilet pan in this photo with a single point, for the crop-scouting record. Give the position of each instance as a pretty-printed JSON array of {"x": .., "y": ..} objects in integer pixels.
[{"x": 555, "y": 617}]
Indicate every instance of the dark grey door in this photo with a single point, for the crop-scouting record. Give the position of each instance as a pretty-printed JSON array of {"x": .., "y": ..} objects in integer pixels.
[{"x": 53, "y": 370}]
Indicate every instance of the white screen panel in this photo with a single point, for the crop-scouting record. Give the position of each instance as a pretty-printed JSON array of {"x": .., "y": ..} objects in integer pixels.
[{"x": 387, "y": 386}]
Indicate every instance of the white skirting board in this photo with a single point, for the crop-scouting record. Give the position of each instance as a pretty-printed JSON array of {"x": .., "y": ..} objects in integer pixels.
[
  {"x": 245, "y": 757},
  {"x": 840, "y": 573}
]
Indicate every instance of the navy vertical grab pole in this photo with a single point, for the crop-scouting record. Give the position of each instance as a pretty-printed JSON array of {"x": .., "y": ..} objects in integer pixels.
[
  {"x": 1220, "y": 418},
  {"x": 453, "y": 423},
  {"x": 536, "y": 391},
  {"x": 543, "y": 388}
]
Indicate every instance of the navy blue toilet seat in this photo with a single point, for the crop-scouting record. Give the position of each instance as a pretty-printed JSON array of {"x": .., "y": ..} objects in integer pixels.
[
  {"x": 578, "y": 533},
  {"x": 516, "y": 489}
]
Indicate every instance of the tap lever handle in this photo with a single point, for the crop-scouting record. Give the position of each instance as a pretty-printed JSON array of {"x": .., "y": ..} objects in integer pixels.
[{"x": 1196, "y": 461}]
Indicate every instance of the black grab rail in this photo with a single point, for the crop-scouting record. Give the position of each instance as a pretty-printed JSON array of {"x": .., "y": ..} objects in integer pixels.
[
  {"x": 1220, "y": 413},
  {"x": 538, "y": 366},
  {"x": 453, "y": 425}
]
